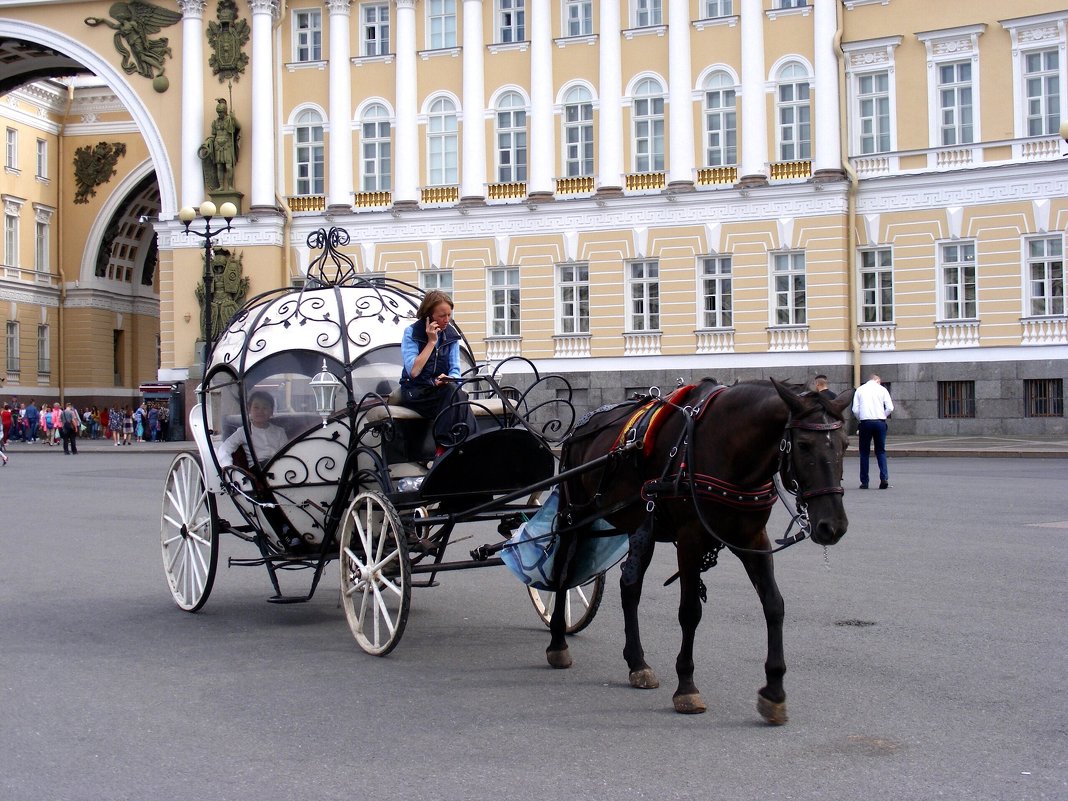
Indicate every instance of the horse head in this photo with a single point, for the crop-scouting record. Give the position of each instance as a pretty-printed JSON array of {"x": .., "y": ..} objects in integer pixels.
[{"x": 812, "y": 449}]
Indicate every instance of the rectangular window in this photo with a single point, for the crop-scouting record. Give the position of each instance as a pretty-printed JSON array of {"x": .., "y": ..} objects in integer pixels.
[
  {"x": 956, "y": 399},
  {"x": 377, "y": 156},
  {"x": 788, "y": 277},
  {"x": 42, "y": 158},
  {"x": 511, "y": 145},
  {"x": 716, "y": 310},
  {"x": 718, "y": 8},
  {"x": 648, "y": 134},
  {"x": 308, "y": 34},
  {"x": 578, "y": 17},
  {"x": 647, "y": 13},
  {"x": 375, "y": 29},
  {"x": 443, "y": 168},
  {"x": 11, "y": 240},
  {"x": 958, "y": 282},
  {"x": 1045, "y": 271},
  {"x": 117, "y": 348},
  {"x": 504, "y": 302},
  {"x": 12, "y": 338},
  {"x": 441, "y": 23},
  {"x": 721, "y": 122},
  {"x": 44, "y": 350},
  {"x": 1044, "y": 397},
  {"x": 311, "y": 165},
  {"x": 792, "y": 3},
  {"x": 436, "y": 279},
  {"x": 795, "y": 122},
  {"x": 956, "y": 121},
  {"x": 1042, "y": 92},
  {"x": 511, "y": 21},
  {"x": 643, "y": 290},
  {"x": 873, "y": 100},
  {"x": 40, "y": 249},
  {"x": 573, "y": 298},
  {"x": 12, "y": 152},
  {"x": 877, "y": 286},
  {"x": 578, "y": 140}
]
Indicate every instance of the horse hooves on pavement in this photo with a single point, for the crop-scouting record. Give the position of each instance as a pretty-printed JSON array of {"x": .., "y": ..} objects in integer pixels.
[
  {"x": 644, "y": 679},
  {"x": 689, "y": 704},
  {"x": 773, "y": 713},
  {"x": 559, "y": 659}
]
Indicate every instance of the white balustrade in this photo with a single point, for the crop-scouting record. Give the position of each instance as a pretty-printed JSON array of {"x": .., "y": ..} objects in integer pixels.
[
  {"x": 952, "y": 334},
  {"x": 641, "y": 344},
  {"x": 721, "y": 341},
  {"x": 1044, "y": 331},
  {"x": 788, "y": 339},
  {"x": 877, "y": 337},
  {"x": 568, "y": 346}
]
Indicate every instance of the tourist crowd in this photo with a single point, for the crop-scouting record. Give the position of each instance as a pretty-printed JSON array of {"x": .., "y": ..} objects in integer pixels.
[{"x": 28, "y": 422}]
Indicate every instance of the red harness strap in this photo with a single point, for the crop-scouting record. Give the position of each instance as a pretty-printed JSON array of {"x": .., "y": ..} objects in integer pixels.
[
  {"x": 648, "y": 419},
  {"x": 713, "y": 489}
]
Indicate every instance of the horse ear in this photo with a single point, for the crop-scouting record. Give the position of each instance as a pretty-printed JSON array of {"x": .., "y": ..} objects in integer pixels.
[
  {"x": 842, "y": 402},
  {"x": 792, "y": 401}
]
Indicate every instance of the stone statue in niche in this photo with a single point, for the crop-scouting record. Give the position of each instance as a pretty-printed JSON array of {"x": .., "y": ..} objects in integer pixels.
[
  {"x": 229, "y": 287},
  {"x": 219, "y": 153},
  {"x": 134, "y": 22},
  {"x": 95, "y": 165}
]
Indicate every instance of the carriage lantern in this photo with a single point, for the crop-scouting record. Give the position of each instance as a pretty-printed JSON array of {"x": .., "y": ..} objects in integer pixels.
[{"x": 324, "y": 386}]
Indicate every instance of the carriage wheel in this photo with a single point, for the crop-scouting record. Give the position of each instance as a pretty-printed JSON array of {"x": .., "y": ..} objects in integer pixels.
[
  {"x": 582, "y": 603},
  {"x": 188, "y": 533},
  {"x": 376, "y": 573}
]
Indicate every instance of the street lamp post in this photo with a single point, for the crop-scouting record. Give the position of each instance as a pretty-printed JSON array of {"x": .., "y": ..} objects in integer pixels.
[{"x": 207, "y": 210}]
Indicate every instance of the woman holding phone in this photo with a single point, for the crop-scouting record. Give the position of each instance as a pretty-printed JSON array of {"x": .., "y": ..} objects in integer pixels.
[{"x": 429, "y": 382}]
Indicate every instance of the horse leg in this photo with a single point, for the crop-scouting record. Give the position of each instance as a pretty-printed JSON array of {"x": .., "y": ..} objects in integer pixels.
[
  {"x": 687, "y": 699},
  {"x": 558, "y": 654},
  {"x": 630, "y": 590},
  {"x": 771, "y": 698}
]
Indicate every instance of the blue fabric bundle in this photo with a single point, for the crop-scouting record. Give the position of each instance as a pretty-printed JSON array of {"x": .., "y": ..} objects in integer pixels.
[{"x": 531, "y": 552}]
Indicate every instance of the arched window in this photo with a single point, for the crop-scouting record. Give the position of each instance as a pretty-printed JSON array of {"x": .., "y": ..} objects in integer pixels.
[
  {"x": 721, "y": 121},
  {"x": 511, "y": 138},
  {"x": 442, "y": 143},
  {"x": 578, "y": 133},
  {"x": 794, "y": 114},
  {"x": 309, "y": 156},
  {"x": 375, "y": 149},
  {"x": 648, "y": 126}
]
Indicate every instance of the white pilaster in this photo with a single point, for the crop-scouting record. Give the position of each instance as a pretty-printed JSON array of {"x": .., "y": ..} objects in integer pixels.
[
  {"x": 264, "y": 13},
  {"x": 610, "y": 91},
  {"x": 473, "y": 167},
  {"x": 754, "y": 139},
  {"x": 192, "y": 100},
  {"x": 406, "y": 162},
  {"x": 827, "y": 131},
  {"x": 680, "y": 102},
  {"x": 339, "y": 184},
  {"x": 540, "y": 158}
]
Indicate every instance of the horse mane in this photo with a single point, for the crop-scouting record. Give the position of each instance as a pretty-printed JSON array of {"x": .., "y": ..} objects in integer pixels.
[{"x": 760, "y": 386}]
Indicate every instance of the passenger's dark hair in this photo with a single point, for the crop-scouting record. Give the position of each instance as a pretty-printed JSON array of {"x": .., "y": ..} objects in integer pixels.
[{"x": 259, "y": 394}]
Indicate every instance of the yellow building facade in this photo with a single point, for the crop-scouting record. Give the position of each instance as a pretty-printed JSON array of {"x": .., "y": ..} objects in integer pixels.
[{"x": 627, "y": 193}]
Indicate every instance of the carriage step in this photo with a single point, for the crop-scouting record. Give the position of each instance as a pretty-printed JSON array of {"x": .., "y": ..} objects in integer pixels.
[{"x": 288, "y": 599}]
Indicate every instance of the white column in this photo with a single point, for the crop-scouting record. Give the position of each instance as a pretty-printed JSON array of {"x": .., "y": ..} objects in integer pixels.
[
  {"x": 262, "y": 157},
  {"x": 193, "y": 134},
  {"x": 339, "y": 98},
  {"x": 406, "y": 135},
  {"x": 473, "y": 166},
  {"x": 754, "y": 140},
  {"x": 827, "y": 131},
  {"x": 540, "y": 158},
  {"x": 680, "y": 99},
  {"x": 610, "y": 90}
]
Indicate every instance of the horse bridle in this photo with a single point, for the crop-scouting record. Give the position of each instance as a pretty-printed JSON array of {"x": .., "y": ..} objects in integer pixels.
[{"x": 786, "y": 467}]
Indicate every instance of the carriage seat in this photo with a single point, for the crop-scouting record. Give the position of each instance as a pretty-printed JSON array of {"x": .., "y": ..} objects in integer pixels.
[{"x": 482, "y": 407}]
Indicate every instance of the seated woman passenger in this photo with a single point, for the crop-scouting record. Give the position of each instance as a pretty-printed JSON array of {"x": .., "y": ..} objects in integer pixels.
[
  {"x": 267, "y": 438},
  {"x": 431, "y": 351}
]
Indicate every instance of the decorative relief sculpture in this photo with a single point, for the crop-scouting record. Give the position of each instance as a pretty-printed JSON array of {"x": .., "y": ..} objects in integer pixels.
[
  {"x": 95, "y": 165},
  {"x": 229, "y": 287},
  {"x": 134, "y": 22},
  {"x": 226, "y": 38}
]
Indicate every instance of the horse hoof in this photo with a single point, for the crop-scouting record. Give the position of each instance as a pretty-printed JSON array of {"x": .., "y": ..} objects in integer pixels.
[
  {"x": 644, "y": 679},
  {"x": 559, "y": 659},
  {"x": 689, "y": 704},
  {"x": 773, "y": 713}
]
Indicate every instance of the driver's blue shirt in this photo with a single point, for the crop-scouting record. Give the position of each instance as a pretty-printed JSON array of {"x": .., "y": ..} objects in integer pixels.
[{"x": 444, "y": 359}]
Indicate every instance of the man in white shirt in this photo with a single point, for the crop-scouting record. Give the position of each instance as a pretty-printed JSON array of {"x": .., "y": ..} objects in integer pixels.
[{"x": 871, "y": 406}]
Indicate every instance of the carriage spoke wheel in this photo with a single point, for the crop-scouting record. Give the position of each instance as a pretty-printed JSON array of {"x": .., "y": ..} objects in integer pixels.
[
  {"x": 188, "y": 533},
  {"x": 376, "y": 573},
  {"x": 581, "y": 603}
]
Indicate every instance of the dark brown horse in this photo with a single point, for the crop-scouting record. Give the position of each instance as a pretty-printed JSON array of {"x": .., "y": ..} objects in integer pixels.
[{"x": 699, "y": 474}]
